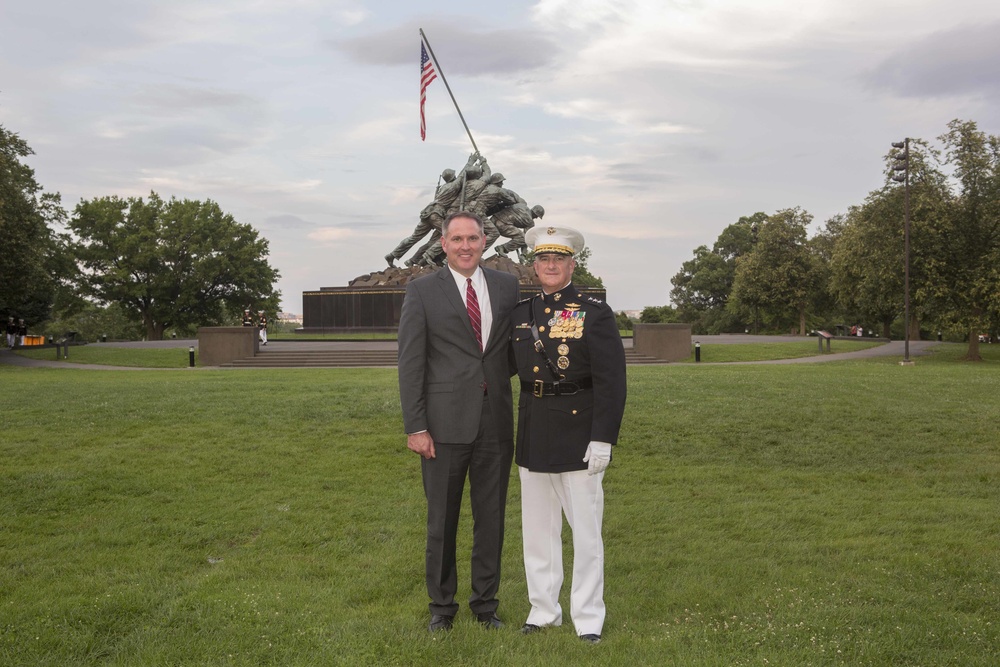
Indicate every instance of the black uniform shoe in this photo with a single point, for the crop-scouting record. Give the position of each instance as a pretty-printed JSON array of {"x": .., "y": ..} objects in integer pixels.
[
  {"x": 489, "y": 620},
  {"x": 593, "y": 639},
  {"x": 529, "y": 629},
  {"x": 440, "y": 622}
]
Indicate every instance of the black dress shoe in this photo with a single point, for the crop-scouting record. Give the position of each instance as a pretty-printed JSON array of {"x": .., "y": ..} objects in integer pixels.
[
  {"x": 593, "y": 639},
  {"x": 490, "y": 620},
  {"x": 529, "y": 629},
  {"x": 440, "y": 622}
]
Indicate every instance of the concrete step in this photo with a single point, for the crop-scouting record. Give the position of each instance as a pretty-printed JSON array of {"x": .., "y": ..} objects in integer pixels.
[{"x": 634, "y": 359}]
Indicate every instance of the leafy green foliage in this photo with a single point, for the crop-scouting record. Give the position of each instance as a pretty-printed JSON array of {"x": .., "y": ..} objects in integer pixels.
[
  {"x": 92, "y": 322},
  {"x": 779, "y": 279},
  {"x": 623, "y": 320},
  {"x": 32, "y": 252},
  {"x": 963, "y": 276},
  {"x": 582, "y": 277},
  {"x": 176, "y": 263},
  {"x": 658, "y": 315},
  {"x": 702, "y": 287}
]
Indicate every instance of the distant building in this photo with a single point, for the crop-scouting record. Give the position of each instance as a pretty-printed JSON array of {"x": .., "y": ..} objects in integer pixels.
[{"x": 291, "y": 318}]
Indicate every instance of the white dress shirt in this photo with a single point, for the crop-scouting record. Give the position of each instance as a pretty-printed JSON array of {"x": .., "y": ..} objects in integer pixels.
[{"x": 482, "y": 293}]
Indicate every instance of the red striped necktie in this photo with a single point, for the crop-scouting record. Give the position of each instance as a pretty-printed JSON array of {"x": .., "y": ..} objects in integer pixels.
[{"x": 472, "y": 305}]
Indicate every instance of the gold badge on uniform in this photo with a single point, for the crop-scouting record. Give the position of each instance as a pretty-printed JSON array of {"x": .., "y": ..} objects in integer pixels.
[
  {"x": 563, "y": 349},
  {"x": 562, "y": 363},
  {"x": 567, "y": 324}
]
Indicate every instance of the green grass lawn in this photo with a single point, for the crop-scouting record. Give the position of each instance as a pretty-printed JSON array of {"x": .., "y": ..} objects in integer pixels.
[{"x": 842, "y": 513}]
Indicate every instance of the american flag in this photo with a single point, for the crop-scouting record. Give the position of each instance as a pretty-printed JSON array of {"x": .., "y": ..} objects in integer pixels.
[{"x": 427, "y": 74}]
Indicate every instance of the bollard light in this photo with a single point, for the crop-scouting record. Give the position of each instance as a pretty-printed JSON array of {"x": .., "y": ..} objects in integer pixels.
[
  {"x": 697, "y": 351},
  {"x": 191, "y": 356}
]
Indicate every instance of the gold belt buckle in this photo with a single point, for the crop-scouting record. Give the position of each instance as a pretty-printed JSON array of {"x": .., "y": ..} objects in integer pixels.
[{"x": 539, "y": 389}]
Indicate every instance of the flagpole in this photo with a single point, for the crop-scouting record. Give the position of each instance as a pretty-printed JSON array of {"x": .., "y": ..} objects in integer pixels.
[{"x": 443, "y": 78}]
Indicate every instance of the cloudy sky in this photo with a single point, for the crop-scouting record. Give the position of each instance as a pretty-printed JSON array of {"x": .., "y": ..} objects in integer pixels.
[{"x": 649, "y": 125}]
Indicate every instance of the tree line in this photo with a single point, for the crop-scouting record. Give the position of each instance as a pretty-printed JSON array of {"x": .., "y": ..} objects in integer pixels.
[
  {"x": 123, "y": 267},
  {"x": 765, "y": 274}
]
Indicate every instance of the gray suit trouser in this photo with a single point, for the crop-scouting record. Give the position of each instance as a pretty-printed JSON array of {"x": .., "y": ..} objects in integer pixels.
[{"x": 486, "y": 462}]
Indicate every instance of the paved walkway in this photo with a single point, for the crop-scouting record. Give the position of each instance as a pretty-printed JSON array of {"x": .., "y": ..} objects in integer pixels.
[
  {"x": 894, "y": 348},
  {"x": 891, "y": 349}
]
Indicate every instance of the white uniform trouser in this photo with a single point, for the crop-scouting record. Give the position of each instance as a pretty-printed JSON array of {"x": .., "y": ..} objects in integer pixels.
[
  {"x": 544, "y": 498},
  {"x": 263, "y": 335}
]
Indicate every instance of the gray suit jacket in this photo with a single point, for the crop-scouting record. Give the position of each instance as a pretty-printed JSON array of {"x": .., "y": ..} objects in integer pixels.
[{"x": 441, "y": 370}]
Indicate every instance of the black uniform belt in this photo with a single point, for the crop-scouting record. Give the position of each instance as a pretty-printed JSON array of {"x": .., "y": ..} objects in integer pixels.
[{"x": 564, "y": 388}]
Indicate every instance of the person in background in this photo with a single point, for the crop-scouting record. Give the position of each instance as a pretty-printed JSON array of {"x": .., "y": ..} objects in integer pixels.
[
  {"x": 262, "y": 327},
  {"x": 11, "y": 333}
]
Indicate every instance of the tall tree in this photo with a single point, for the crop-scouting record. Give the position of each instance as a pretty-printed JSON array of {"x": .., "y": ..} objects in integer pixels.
[
  {"x": 701, "y": 288},
  {"x": 779, "y": 278},
  {"x": 582, "y": 277},
  {"x": 868, "y": 257},
  {"x": 964, "y": 280},
  {"x": 176, "y": 263},
  {"x": 30, "y": 259}
]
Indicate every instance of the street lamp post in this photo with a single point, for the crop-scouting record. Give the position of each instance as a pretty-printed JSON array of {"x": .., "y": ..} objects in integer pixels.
[
  {"x": 902, "y": 175},
  {"x": 756, "y": 304}
]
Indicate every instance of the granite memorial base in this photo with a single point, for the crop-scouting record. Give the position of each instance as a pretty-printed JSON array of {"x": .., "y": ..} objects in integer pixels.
[
  {"x": 222, "y": 345},
  {"x": 671, "y": 342},
  {"x": 372, "y": 303}
]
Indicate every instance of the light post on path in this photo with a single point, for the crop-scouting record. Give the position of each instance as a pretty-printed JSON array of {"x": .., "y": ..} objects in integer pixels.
[{"x": 902, "y": 175}]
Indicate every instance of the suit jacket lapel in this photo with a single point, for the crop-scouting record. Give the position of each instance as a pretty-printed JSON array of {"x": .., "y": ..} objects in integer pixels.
[{"x": 494, "y": 288}]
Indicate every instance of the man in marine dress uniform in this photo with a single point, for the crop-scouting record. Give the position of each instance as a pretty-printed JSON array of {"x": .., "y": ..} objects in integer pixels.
[{"x": 571, "y": 364}]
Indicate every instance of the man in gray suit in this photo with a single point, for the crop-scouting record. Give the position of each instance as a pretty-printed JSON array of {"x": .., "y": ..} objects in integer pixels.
[{"x": 454, "y": 386}]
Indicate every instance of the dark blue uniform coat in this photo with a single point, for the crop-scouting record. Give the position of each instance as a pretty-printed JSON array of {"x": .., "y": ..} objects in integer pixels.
[{"x": 580, "y": 336}]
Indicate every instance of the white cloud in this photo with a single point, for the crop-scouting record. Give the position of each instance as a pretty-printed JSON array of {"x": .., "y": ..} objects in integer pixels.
[
  {"x": 648, "y": 124},
  {"x": 327, "y": 235}
]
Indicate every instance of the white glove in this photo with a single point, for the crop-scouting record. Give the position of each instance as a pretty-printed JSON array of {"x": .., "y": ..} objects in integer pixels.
[{"x": 599, "y": 456}]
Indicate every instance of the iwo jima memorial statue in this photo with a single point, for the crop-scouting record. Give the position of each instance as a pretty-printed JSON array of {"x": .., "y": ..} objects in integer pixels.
[{"x": 373, "y": 302}]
